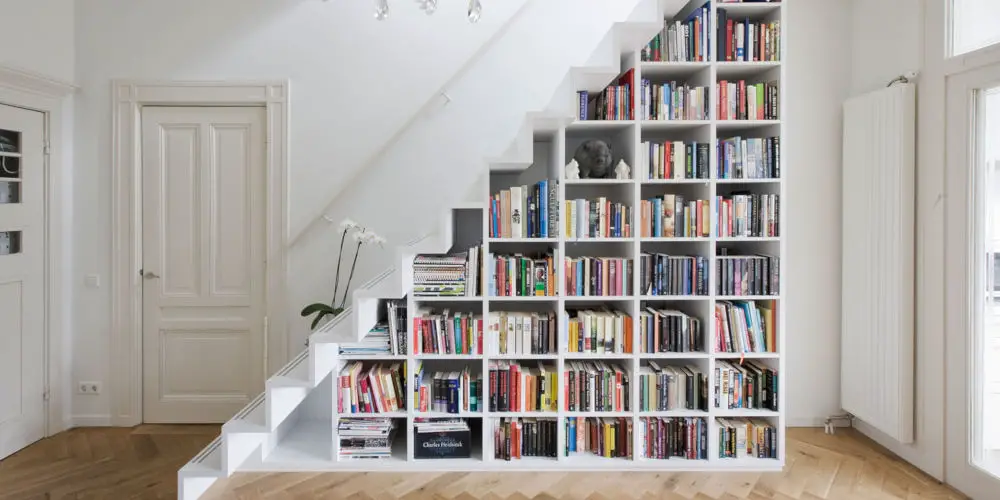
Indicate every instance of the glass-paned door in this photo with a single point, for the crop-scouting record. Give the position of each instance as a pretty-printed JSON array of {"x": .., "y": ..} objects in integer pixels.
[{"x": 973, "y": 280}]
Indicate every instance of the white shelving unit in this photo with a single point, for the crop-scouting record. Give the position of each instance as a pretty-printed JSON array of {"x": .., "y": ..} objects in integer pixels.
[{"x": 631, "y": 132}]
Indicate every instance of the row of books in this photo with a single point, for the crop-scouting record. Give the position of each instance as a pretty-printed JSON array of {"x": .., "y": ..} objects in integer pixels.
[
  {"x": 746, "y": 385},
  {"x": 375, "y": 388},
  {"x": 604, "y": 437},
  {"x": 669, "y": 331},
  {"x": 600, "y": 218},
  {"x": 747, "y": 40},
  {"x": 613, "y": 103},
  {"x": 453, "y": 275},
  {"x": 515, "y": 438},
  {"x": 672, "y": 388},
  {"x": 742, "y": 100},
  {"x": 749, "y": 158},
  {"x": 525, "y": 211},
  {"x": 747, "y": 215},
  {"x": 384, "y": 338},
  {"x": 675, "y": 160},
  {"x": 673, "y": 437},
  {"x": 514, "y": 387},
  {"x": 747, "y": 438},
  {"x": 596, "y": 386},
  {"x": 521, "y": 333},
  {"x": 671, "y": 216},
  {"x": 521, "y": 275},
  {"x": 746, "y": 326},
  {"x": 686, "y": 41},
  {"x": 447, "y": 392},
  {"x": 663, "y": 274},
  {"x": 674, "y": 101},
  {"x": 598, "y": 276},
  {"x": 599, "y": 332},
  {"x": 447, "y": 333},
  {"x": 365, "y": 438},
  {"x": 746, "y": 275}
]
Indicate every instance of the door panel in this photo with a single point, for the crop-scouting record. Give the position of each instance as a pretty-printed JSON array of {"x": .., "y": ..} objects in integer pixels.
[
  {"x": 22, "y": 300},
  {"x": 203, "y": 259}
]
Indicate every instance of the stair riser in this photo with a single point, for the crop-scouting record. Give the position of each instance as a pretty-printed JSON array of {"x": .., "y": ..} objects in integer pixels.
[
  {"x": 192, "y": 488},
  {"x": 237, "y": 448},
  {"x": 281, "y": 402}
]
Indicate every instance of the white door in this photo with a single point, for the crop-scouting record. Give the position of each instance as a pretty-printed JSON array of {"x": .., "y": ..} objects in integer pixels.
[
  {"x": 203, "y": 261},
  {"x": 972, "y": 462},
  {"x": 22, "y": 273}
]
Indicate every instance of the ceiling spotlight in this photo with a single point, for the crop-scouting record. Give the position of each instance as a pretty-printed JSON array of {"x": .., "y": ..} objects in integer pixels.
[
  {"x": 381, "y": 9},
  {"x": 475, "y": 11}
]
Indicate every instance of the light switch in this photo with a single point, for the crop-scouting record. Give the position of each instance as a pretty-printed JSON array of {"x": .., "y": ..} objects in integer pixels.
[{"x": 92, "y": 281}]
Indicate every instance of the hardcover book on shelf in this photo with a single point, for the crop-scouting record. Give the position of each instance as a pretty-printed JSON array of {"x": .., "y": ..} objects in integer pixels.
[
  {"x": 613, "y": 103},
  {"x": 598, "y": 276},
  {"x": 447, "y": 391},
  {"x": 374, "y": 388},
  {"x": 686, "y": 41},
  {"x": 672, "y": 437},
  {"x": 518, "y": 387},
  {"x": 453, "y": 275},
  {"x": 745, "y": 326},
  {"x": 746, "y": 275},
  {"x": 675, "y": 160},
  {"x": 597, "y": 386},
  {"x": 607, "y": 437},
  {"x": 747, "y": 438},
  {"x": 521, "y": 333},
  {"x": 747, "y": 40},
  {"x": 671, "y": 216},
  {"x": 598, "y": 332},
  {"x": 447, "y": 332},
  {"x": 525, "y": 211},
  {"x": 746, "y": 385},
  {"x": 666, "y": 275},
  {"x": 665, "y": 388},
  {"x": 749, "y": 158},
  {"x": 747, "y": 215},
  {"x": 674, "y": 101},
  {"x": 522, "y": 275},
  {"x": 742, "y": 100},
  {"x": 600, "y": 218},
  {"x": 662, "y": 330},
  {"x": 516, "y": 438}
]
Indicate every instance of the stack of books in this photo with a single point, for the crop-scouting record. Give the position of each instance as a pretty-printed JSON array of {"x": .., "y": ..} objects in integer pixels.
[
  {"x": 671, "y": 216},
  {"x": 522, "y": 333},
  {"x": 599, "y": 332},
  {"x": 455, "y": 275},
  {"x": 664, "y": 438},
  {"x": 376, "y": 342},
  {"x": 747, "y": 215},
  {"x": 746, "y": 437},
  {"x": 749, "y": 158},
  {"x": 514, "y": 438},
  {"x": 746, "y": 326},
  {"x": 447, "y": 333},
  {"x": 675, "y": 160},
  {"x": 521, "y": 275},
  {"x": 365, "y": 438},
  {"x": 430, "y": 425},
  {"x": 596, "y": 386},
  {"x": 514, "y": 387},
  {"x": 681, "y": 41},
  {"x": 746, "y": 385},
  {"x": 600, "y": 218},
  {"x": 448, "y": 392},
  {"x": 674, "y": 101},
  {"x": 525, "y": 211},
  {"x": 604, "y": 437},
  {"x": 670, "y": 331},
  {"x": 672, "y": 388}
]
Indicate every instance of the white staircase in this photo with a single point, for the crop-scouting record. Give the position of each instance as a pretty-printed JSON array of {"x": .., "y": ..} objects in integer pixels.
[{"x": 291, "y": 409}]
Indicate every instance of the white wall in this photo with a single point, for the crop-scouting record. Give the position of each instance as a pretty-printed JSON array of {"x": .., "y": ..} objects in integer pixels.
[
  {"x": 38, "y": 37},
  {"x": 817, "y": 65},
  {"x": 354, "y": 82}
]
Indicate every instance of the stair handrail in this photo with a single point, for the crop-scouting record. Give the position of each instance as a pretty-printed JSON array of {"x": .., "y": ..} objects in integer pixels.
[{"x": 409, "y": 123}]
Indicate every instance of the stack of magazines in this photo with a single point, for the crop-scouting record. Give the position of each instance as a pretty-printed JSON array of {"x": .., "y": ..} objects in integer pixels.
[
  {"x": 365, "y": 438},
  {"x": 423, "y": 425},
  {"x": 454, "y": 275},
  {"x": 387, "y": 337}
]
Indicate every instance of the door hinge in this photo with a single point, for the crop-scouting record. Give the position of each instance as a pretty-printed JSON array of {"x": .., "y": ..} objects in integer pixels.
[
  {"x": 47, "y": 149},
  {"x": 45, "y": 396}
]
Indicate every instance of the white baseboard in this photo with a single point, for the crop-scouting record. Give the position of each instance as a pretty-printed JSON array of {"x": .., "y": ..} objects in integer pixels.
[{"x": 90, "y": 421}]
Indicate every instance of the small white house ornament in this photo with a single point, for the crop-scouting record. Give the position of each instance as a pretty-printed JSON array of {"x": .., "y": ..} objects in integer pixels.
[
  {"x": 572, "y": 170},
  {"x": 622, "y": 171}
]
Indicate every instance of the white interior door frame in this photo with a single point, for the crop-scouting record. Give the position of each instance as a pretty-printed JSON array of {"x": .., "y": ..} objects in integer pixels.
[
  {"x": 129, "y": 97},
  {"x": 48, "y": 96}
]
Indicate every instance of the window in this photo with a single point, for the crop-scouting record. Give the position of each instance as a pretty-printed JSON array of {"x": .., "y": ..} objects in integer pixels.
[{"x": 974, "y": 24}]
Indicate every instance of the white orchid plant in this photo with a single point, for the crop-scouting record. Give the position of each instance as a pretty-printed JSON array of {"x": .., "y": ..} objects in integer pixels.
[{"x": 361, "y": 235}]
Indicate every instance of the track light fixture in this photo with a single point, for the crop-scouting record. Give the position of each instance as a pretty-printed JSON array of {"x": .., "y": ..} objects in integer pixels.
[{"x": 475, "y": 11}]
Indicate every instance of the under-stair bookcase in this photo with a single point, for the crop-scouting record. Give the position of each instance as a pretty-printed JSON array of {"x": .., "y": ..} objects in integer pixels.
[
  {"x": 553, "y": 150},
  {"x": 294, "y": 425}
]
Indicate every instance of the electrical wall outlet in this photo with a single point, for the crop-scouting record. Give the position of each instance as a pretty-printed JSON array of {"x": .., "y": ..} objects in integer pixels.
[{"x": 88, "y": 388}]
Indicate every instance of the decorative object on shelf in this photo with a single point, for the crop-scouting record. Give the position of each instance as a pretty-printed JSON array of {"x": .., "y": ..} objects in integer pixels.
[
  {"x": 572, "y": 170},
  {"x": 622, "y": 171},
  {"x": 594, "y": 158},
  {"x": 362, "y": 236},
  {"x": 474, "y": 12}
]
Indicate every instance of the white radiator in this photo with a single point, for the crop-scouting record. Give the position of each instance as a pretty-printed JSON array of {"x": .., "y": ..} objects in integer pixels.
[{"x": 877, "y": 325}]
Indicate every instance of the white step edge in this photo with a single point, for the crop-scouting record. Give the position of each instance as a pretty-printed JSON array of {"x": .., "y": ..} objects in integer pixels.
[
  {"x": 243, "y": 435},
  {"x": 198, "y": 475},
  {"x": 287, "y": 389}
]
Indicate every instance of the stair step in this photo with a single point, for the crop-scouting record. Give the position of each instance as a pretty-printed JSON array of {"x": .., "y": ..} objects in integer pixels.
[
  {"x": 253, "y": 418},
  {"x": 294, "y": 374},
  {"x": 198, "y": 475}
]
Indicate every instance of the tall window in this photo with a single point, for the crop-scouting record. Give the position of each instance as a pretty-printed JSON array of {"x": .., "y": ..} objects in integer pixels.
[{"x": 974, "y": 24}]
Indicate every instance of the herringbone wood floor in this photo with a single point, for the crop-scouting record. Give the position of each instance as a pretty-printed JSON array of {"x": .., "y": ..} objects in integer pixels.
[{"x": 141, "y": 463}]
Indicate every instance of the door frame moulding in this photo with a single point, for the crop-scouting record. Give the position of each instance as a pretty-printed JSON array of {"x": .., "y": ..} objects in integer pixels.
[
  {"x": 50, "y": 97},
  {"x": 128, "y": 99}
]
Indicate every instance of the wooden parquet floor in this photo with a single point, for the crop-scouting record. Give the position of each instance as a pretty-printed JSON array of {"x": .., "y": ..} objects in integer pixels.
[{"x": 142, "y": 463}]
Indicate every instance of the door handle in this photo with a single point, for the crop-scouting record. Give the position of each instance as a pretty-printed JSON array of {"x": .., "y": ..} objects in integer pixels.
[{"x": 150, "y": 275}]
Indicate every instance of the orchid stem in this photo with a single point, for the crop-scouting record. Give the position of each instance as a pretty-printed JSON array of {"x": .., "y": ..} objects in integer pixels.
[{"x": 357, "y": 251}]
